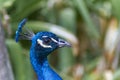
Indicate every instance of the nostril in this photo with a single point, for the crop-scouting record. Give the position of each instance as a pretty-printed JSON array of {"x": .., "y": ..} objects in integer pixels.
[{"x": 62, "y": 41}]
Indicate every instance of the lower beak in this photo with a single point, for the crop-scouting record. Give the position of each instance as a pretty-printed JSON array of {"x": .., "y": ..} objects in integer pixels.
[{"x": 63, "y": 43}]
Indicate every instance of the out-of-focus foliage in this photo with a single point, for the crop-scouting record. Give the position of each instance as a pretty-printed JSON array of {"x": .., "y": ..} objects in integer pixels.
[
  {"x": 6, "y": 3},
  {"x": 92, "y": 27}
]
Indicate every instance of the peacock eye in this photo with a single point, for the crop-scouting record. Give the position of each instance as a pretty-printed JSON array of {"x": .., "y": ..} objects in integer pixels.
[{"x": 46, "y": 40}]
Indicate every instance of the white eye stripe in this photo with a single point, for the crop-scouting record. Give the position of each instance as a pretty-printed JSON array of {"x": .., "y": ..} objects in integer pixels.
[
  {"x": 44, "y": 36},
  {"x": 54, "y": 40},
  {"x": 40, "y": 42}
]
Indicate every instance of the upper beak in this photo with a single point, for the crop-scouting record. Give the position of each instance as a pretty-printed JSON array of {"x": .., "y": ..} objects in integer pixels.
[{"x": 63, "y": 43}]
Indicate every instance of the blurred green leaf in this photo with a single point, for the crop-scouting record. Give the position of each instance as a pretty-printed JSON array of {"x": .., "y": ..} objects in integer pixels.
[
  {"x": 6, "y": 3},
  {"x": 67, "y": 19},
  {"x": 23, "y": 9},
  {"x": 21, "y": 68},
  {"x": 90, "y": 27},
  {"x": 116, "y": 8},
  {"x": 117, "y": 75}
]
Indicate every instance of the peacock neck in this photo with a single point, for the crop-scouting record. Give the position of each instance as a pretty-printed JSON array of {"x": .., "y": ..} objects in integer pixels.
[{"x": 42, "y": 68}]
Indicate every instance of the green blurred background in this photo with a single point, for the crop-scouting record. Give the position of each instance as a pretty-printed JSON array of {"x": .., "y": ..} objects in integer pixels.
[{"x": 91, "y": 26}]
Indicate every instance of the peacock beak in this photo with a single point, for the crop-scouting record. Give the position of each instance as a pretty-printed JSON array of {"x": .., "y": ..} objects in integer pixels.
[{"x": 63, "y": 43}]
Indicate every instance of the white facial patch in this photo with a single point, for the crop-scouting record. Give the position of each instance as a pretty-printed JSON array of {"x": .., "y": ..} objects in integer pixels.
[{"x": 40, "y": 42}]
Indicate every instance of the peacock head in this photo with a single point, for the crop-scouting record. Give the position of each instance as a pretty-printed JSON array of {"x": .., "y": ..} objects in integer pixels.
[
  {"x": 43, "y": 43},
  {"x": 46, "y": 42}
]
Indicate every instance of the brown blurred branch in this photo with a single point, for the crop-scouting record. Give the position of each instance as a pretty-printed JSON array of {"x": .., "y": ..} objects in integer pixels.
[{"x": 5, "y": 67}]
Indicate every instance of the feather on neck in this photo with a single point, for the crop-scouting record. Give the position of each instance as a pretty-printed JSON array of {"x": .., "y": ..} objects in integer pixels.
[{"x": 41, "y": 66}]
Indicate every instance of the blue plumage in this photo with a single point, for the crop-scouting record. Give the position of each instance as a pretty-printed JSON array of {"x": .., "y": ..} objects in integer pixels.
[
  {"x": 19, "y": 30},
  {"x": 43, "y": 43}
]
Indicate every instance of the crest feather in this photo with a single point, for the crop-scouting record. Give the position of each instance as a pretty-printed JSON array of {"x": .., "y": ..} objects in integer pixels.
[{"x": 27, "y": 35}]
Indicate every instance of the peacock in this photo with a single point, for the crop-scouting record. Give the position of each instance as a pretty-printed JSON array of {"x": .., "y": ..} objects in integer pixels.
[{"x": 42, "y": 44}]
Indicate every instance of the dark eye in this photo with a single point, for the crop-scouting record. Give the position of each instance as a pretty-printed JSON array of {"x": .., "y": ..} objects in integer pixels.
[{"x": 46, "y": 40}]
